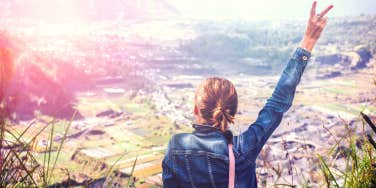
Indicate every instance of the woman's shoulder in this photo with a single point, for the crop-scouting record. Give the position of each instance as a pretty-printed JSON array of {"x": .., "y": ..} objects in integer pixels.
[
  {"x": 190, "y": 142},
  {"x": 179, "y": 140}
]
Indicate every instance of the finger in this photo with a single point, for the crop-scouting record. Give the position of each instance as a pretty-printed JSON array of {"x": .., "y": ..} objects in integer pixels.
[
  {"x": 322, "y": 22},
  {"x": 320, "y": 28},
  {"x": 313, "y": 9},
  {"x": 325, "y": 20},
  {"x": 316, "y": 34},
  {"x": 326, "y": 10}
]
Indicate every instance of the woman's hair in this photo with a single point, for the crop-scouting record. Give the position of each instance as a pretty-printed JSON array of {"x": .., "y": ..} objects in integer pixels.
[{"x": 216, "y": 101}]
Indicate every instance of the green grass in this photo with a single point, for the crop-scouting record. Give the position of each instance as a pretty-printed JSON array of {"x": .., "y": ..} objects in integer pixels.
[
  {"x": 90, "y": 106},
  {"x": 338, "y": 91},
  {"x": 337, "y": 108},
  {"x": 342, "y": 82},
  {"x": 359, "y": 170},
  {"x": 124, "y": 146},
  {"x": 158, "y": 140}
]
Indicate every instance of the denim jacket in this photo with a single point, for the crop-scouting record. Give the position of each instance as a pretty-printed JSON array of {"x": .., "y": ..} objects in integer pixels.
[{"x": 200, "y": 159}]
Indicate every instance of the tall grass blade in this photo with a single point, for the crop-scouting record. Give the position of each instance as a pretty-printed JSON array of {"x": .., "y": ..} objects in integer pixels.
[
  {"x": 369, "y": 122},
  {"x": 28, "y": 173},
  {"x": 370, "y": 139},
  {"x": 327, "y": 171},
  {"x": 61, "y": 144},
  {"x": 283, "y": 185},
  {"x": 131, "y": 174},
  {"x": 49, "y": 153},
  {"x": 112, "y": 167}
]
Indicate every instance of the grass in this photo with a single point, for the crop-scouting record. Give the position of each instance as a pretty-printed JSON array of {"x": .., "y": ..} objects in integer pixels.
[
  {"x": 21, "y": 166},
  {"x": 338, "y": 91},
  {"x": 94, "y": 105},
  {"x": 350, "y": 162},
  {"x": 24, "y": 165},
  {"x": 360, "y": 152},
  {"x": 359, "y": 169}
]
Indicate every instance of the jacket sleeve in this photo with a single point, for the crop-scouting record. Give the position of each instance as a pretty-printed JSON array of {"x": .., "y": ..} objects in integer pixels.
[
  {"x": 271, "y": 114},
  {"x": 168, "y": 178}
]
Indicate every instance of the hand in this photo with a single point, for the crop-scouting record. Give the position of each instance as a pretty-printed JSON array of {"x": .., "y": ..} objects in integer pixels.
[{"x": 315, "y": 26}]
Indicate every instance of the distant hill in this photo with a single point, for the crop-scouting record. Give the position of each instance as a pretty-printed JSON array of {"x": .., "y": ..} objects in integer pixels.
[
  {"x": 339, "y": 64},
  {"x": 251, "y": 47},
  {"x": 32, "y": 90},
  {"x": 38, "y": 84}
]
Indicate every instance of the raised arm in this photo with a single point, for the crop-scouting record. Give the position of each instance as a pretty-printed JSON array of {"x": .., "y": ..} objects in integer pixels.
[
  {"x": 281, "y": 100},
  {"x": 271, "y": 114}
]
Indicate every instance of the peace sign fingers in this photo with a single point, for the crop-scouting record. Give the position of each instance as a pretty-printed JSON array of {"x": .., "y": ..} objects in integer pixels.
[
  {"x": 322, "y": 14},
  {"x": 315, "y": 26}
]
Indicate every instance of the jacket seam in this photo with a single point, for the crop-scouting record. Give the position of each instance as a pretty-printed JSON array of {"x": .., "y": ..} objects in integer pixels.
[
  {"x": 200, "y": 153},
  {"x": 189, "y": 170},
  {"x": 210, "y": 171}
]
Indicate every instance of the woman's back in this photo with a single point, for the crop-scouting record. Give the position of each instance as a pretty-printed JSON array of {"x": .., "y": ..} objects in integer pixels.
[{"x": 200, "y": 159}]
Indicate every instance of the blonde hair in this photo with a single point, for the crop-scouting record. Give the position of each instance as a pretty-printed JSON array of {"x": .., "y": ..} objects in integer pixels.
[{"x": 217, "y": 102}]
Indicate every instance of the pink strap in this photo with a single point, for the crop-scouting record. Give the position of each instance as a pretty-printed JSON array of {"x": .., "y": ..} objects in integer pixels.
[{"x": 231, "y": 173}]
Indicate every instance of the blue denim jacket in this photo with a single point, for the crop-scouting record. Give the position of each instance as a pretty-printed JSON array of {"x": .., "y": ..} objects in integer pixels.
[{"x": 200, "y": 159}]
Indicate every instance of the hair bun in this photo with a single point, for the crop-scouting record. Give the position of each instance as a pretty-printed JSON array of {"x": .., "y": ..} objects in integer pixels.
[{"x": 217, "y": 102}]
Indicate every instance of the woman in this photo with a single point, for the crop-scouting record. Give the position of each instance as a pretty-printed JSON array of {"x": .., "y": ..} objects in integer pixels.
[{"x": 206, "y": 157}]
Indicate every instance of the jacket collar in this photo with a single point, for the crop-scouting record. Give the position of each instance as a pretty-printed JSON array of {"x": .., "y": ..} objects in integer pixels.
[
  {"x": 205, "y": 128},
  {"x": 208, "y": 129}
]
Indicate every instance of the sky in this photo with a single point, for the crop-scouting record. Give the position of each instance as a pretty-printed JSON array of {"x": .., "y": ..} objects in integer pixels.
[
  {"x": 55, "y": 10},
  {"x": 268, "y": 9}
]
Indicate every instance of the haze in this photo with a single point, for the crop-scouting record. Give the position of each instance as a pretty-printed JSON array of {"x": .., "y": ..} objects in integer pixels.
[
  {"x": 270, "y": 9},
  {"x": 94, "y": 10}
]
